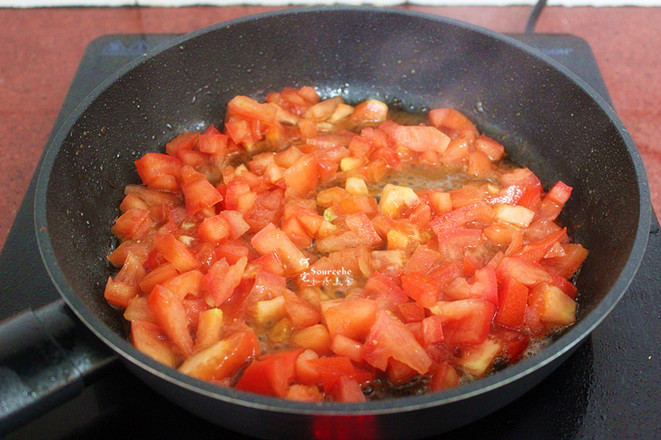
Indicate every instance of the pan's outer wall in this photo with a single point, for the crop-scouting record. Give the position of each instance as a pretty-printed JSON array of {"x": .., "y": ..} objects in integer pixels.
[{"x": 410, "y": 60}]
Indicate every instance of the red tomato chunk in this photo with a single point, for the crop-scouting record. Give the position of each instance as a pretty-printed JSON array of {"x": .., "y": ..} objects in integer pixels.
[{"x": 314, "y": 250}]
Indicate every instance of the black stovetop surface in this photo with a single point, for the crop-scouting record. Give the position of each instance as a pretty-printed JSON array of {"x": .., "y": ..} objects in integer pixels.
[{"x": 609, "y": 388}]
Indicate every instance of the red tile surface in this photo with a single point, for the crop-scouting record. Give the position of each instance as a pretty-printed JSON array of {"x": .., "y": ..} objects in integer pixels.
[{"x": 40, "y": 50}]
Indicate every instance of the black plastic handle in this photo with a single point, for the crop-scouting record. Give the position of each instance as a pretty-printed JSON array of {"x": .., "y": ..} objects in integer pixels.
[{"x": 47, "y": 357}]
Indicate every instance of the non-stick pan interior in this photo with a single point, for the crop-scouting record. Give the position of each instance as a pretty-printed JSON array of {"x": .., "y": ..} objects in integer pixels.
[{"x": 547, "y": 121}]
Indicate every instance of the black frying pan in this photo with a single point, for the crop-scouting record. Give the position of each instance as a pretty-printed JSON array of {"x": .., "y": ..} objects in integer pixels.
[{"x": 548, "y": 118}]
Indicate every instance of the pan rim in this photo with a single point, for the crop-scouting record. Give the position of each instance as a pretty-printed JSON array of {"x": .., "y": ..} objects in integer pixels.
[{"x": 564, "y": 345}]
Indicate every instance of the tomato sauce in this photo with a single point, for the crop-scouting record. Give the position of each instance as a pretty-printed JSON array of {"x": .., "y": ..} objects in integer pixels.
[{"x": 319, "y": 251}]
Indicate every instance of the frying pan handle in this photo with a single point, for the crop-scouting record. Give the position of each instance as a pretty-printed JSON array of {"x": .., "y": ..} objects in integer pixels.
[{"x": 46, "y": 358}]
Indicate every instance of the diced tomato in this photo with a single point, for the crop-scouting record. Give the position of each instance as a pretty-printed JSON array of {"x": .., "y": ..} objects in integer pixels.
[
  {"x": 554, "y": 200},
  {"x": 523, "y": 271},
  {"x": 390, "y": 339},
  {"x": 299, "y": 311},
  {"x": 271, "y": 374},
  {"x": 399, "y": 373},
  {"x": 183, "y": 141},
  {"x": 301, "y": 176},
  {"x": 343, "y": 346},
  {"x": 314, "y": 338},
  {"x": 513, "y": 298},
  {"x": 421, "y": 288},
  {"x": 443, "y": 377},
  {"x": 158, "y": 275},
  {"x": 477, "y": 359},
  {"x": 567, "y": 287},
  {"x": 384, "y": 291},
  {"x": 271, "y": 239},
  {"x": 361, "y": 225},
  {"x": 234, "y": 250},
  {"x": 370, "y": 111},
  {"x": 175, "y": 252},
  {"x": 465, "y": 321},
  {"x": 410, "y": 312},
  {"x": 118, "y": 293},
  {"x": 423, "y": 260},
  {"x": 490, "y": 147},
  {"x": 446, "y": 273},
  {"x": 452, "y": 119},
  {"x": 552, "y": 305},
  {"x": 352, "y": 318},
  {"x": 209, "y": 328},
  {"x": 535, "y": 251},
  {"x": 267, "y": 208},
  {"x": 133, "y": 224},
  {"x": 119, "y": 255},
  {"x": 159, "y": 171},
  {"x": 419, "y": 138},
  {"x": 347, "y": 389},
  {"x": 567, "y": 265},
  {"x": 187, "y": 283},
  {"x": 304, "y": 393},
  {"x": 513, "y": 343},
  {"x": 222, "y": 279},
  {"x": 432, "y": 330},
  {"x": 213, "y": 142},
  {"x": 136, "y": 310},
  {"x": 477, "y": 211},
  {"x": 357, "y": 204},
  {"x": 170, "y": 315},
  {"x": 150, "y": 340},
  {"x": 213, "y": 229},
  {"x": 249, "y": 108},
  {"x": 199, "y": 194},
  {"x": 222, "y": 359}
]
